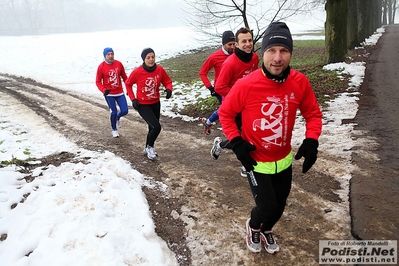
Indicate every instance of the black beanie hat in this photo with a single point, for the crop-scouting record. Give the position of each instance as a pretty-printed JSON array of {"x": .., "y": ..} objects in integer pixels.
[
  {"x": 145, "y": 52},
  {"x": 277, "y": 33},
  {"x": 228, "y": 36}
]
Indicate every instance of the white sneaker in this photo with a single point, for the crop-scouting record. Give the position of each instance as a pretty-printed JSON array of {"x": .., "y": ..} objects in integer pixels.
[
  {"x": 151, "y": 154},
  {"x": 216, "y": 149},
  {"x": 145, "y": 151},
  {"x": 243, "y": 171},
  {"x": 118, "y": 123},
  {"x": 271, "y": 245},
  {"x": 253, "y": 238},
  {"x": 115, "y": 134}
]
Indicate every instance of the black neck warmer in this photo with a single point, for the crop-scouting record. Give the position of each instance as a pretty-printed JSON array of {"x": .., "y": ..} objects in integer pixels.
[
  {"x": 276, "y": 78},
  {"x": 243, "y": 56},
  {"x": 149, "y": 69}
]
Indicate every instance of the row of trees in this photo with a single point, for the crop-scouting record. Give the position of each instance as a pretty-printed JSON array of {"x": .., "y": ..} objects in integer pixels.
[
  {"x": 350, "y": 22},
  {"x": 33, "y": 17},
  {"x": 43, "y": 16}
]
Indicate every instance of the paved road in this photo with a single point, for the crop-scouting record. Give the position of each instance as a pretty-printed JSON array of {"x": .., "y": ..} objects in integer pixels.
[{"x": 374, "y": 186}]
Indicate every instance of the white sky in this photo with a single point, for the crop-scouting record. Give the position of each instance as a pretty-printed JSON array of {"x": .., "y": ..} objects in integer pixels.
[{"x": 101, "y": 229}]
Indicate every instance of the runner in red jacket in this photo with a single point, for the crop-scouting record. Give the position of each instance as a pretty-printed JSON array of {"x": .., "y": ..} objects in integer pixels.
[
  {"x": 268, "y": 100},
  {"x": 215, "y": 62},
  {"x": 236, "y": 66},
  {"x": 109, "y": 81},
  {"x": 149, "y": 77}
]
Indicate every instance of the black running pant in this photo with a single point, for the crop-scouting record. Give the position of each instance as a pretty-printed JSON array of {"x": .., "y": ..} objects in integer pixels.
[
  {"x": 270, "y": 193},
  {"x": 151, "y": 114}
]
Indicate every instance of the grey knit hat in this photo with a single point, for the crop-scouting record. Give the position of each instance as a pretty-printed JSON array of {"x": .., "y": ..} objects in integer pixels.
[{"x": 228, "y": 36}]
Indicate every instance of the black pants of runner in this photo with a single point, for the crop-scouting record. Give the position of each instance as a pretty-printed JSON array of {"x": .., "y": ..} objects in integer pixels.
[
  {"x": 270, "y": 193},
  {"x": 151, "y": 114}
]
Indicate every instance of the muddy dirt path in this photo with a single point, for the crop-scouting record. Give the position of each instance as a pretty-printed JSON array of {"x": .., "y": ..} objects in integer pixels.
[{"x": 202, "y": 211}]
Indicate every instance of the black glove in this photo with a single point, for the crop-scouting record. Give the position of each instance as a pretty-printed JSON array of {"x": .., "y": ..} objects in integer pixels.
[
  {"x": 242, "y": 148},
  {"x": 106, "y": 92},
  {"x": 308, "y": 149},
  {"x": 168, "y": 93},
  {"x": 212, "y": 90},
  {"x": 135, "y": 104}
]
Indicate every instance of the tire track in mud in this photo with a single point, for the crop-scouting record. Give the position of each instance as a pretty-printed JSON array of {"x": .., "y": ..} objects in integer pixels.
[{"x": 199, "y": 205}]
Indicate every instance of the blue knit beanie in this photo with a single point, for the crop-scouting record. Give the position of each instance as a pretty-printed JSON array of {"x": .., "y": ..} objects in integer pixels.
[
  {"x": 145, "y": 52},
  {"x": 107, "y": 50}
]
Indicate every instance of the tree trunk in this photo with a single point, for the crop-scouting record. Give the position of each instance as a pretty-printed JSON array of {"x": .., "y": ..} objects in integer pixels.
[
  {"x": 369, "y": 17},
  {"x": 390, "y": 12},
  {"x": 377, "y": 13},
  {"x": 352, "y": 37},
  {"x": 361, "y": 18},
  {"x": 336, "y": 30},
  {"x": 384, "y": 12}
]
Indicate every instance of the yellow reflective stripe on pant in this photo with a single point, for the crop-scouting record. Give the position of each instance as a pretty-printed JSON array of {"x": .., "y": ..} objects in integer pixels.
[{"x": 274, "y": 167}]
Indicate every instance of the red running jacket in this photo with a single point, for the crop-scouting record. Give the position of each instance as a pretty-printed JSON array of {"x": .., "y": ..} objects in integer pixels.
[
  {"x": 148, "y": 84},
  {"x": 109, "y": 77},
  {"x": 232, "y": 70},
  {"x": 268, "y": 110},
  {"x": 214, "y": 61}
]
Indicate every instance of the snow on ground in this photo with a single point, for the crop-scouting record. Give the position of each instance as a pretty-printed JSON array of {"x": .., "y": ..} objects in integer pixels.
[{"x": 72, "y": 207}]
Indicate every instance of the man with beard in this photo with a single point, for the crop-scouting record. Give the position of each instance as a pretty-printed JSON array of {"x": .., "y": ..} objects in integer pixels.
[
  {"x": 268, "y": 100},
  {"x": 108, "y": 81}
]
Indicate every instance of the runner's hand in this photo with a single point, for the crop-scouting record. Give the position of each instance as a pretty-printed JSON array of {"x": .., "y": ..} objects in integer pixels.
[
  {"x": 135, "y": 104},
  {"x": 242, "y": 150},
  {"x": 168, "y": 93},
  {"x": 212, "y": 90},
  {"x": 308, "y": 149}
]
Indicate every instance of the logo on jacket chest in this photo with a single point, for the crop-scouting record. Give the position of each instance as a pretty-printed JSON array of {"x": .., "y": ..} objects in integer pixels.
[
  {"x": 273, "y": 122},
  {"x": 113, "y": 77},
  {"x": 150, "y": 88}
]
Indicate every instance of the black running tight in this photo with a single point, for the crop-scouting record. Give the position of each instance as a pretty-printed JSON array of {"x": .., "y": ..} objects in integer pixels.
[
  {"x": 151, "y": 114},
  {"x": 270, "y": 194}
]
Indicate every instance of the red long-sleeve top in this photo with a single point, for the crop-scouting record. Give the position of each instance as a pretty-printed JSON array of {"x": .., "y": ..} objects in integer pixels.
[
  {"x": 268, "y": 110},
  {"x": 232, "y": 70},
  {"x": 148, "y": 84},
  {"x": 109, "y": 77},
  {"x": 215, "y": 61}
]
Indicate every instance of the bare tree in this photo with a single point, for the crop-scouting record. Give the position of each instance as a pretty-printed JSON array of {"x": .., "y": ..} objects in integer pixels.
[
  {"x": 389, "y": 8},
  {"x": 211, "y": 17},
  {"x": 11, "y": 15},
  {"x": 32, "y": 8}
]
